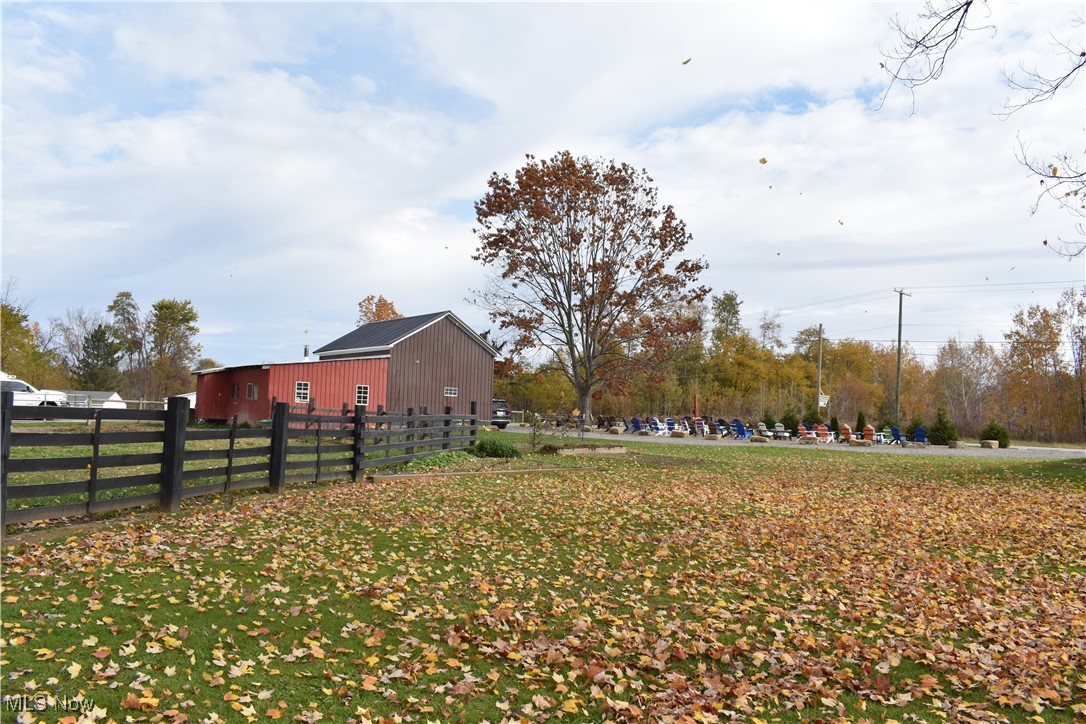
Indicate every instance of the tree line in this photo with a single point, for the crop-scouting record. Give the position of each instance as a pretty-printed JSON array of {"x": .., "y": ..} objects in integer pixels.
[
  {"x": 139, "y": 354},
  {"x": 1029, "y": 384}
]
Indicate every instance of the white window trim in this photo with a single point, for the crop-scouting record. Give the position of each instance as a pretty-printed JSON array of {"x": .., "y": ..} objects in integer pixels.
[
  {"x": 451, "y": 392},
  {"x": 252, "y": 392},
  {"x": 299, "y": 395},
  {"x": 362, "y": 395}
]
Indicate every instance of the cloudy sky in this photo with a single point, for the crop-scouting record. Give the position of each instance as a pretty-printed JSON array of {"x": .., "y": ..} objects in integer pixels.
[{"x": 276, "y": 163}]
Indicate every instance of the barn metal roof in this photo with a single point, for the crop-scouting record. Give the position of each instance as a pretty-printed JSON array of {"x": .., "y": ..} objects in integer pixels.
[{"x": 378, "y": 336}]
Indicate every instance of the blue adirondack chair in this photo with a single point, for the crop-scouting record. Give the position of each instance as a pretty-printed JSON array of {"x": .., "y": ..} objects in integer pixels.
[
  {"x": 895, "y": 434},
  {"x": 741, "y": 432},
  {"x": 671, "y": 425},
  {"x": 657, "y": 427},
  {"x": 920, "y": 435}
]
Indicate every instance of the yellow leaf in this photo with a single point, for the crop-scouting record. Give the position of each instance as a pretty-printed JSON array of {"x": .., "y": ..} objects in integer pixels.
[{"x": 74, "y": 669}]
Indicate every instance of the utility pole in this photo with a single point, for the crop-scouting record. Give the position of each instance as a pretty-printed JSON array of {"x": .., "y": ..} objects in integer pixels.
[
  {"x": 897, "y": 391},
  {"x": 818, "y": 392}
]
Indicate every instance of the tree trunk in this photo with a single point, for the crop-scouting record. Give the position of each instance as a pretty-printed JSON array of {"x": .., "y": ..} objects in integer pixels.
[{"x": 585, "y": 396}]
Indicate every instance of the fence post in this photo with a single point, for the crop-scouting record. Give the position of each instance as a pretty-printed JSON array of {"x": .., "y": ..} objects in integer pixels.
[
  {"x": 358, "y": 437},
  {"x": 473, "y": 422},
  {"x": 7, "y": 404},
  {"x": 96, "y": 447},
  {"x": 382, "y": 440},
  {"x": 446, "y": 423},
  {"x": 277, "y": 475},
  {"x": 173, "y": 454},
  {"x": 410, "y": 437}
]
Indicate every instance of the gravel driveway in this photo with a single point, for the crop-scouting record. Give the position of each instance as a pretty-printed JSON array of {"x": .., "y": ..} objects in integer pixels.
[{"x": 971, "y": 449}]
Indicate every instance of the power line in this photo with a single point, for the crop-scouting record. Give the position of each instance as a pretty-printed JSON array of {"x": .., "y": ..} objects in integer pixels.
[{"x": 997, "y": 284}]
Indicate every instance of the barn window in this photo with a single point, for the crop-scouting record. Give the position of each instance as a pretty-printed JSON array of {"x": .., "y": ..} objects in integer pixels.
[
  {"x": 301, "y": 392},
  {"x": 234, "y": 391},
  {"x": 252, "y": 392},
  {"x": 450, "y": 391},
  {"x": 362, "y": 395}
]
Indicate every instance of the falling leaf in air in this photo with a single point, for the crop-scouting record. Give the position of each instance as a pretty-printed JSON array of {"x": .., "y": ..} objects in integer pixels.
[
  {"x": 763, "y": 160},
  {"x": 840, "y": 222},
  {"x": 687, "y": 61}
]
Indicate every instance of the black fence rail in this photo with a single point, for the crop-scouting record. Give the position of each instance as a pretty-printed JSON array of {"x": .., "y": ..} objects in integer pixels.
[{"x": 123, "y": 459}]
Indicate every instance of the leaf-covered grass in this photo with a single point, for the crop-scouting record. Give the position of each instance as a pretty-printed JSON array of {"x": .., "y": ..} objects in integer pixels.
[{"x": 718, "y": 582}]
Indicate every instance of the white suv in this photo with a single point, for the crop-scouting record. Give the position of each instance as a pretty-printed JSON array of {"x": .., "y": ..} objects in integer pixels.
[{"x": 27, "y": 395}]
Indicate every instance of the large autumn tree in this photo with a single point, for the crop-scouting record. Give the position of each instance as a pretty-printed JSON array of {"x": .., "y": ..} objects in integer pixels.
[{"x": 586, "y": 262}]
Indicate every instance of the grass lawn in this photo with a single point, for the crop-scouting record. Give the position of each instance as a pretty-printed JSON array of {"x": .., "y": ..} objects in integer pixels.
[{"x": 676, "y": 583}]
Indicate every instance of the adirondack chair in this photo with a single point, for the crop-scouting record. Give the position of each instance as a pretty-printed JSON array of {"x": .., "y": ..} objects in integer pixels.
[
  {"x": 845, "y": 435},
  {"x": 823, "y": 433},
  {"x": 657, "y": 427},
  {"x": 723, "y": 427},
  {"x": 895, "y": 434},
  {"x": 780, "y": 432},
  {"x": 671, "y": 424},
  {"x": 712, "y": 429},
  {"x": 920, "y": 435},
  {"x": 699, "y": 426},
  {"x": 805, "y": 431},
  {"x": 740, "y": 431},
  {"x": 763, "y": 430},
  {"x": 626, "y": 425}
]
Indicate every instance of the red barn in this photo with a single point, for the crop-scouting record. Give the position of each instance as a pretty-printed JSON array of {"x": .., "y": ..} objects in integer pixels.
[{"x": 432, "y": 361}]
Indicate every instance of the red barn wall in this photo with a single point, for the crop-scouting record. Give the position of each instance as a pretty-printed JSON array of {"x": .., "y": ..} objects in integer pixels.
[
  {"x": 332, "y": 383},
  {"x": 213, "y": 400},
  {"x": 439, "y": 356}
]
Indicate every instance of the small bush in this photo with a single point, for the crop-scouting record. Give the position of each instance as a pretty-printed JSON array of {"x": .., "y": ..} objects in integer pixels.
[
  {"x": 911, "y": 427},
  {"x": 835, "y": 424},
  {"x": 790, "y": 420},
  {"x": 812, "y": 418},
  {"x": 769, "y": 421},
  {"x": 995, "y": 431},
  {"x": 861, "y": 422},
  {"x": 943, "y": 431},
  {"x": 548, "y": 449},
  {"x": 488, "y": 447}
]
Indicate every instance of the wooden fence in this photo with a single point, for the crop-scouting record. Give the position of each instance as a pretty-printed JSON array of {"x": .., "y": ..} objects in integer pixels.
[{"x": 120, "y": 459}]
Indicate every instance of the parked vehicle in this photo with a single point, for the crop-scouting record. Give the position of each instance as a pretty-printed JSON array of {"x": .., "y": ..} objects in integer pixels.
[
  {"x": 499, "y": 414},
  {"x": 27, "y": 395}
]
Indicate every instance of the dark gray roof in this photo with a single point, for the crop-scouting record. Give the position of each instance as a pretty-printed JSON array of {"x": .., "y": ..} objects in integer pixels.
[{"x": 383, "y": 335}]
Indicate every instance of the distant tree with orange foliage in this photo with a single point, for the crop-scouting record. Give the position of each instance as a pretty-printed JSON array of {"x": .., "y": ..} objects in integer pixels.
[{"x": 376, "y": 308}]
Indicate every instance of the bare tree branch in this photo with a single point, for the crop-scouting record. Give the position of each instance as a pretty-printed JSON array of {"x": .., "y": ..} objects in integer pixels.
[{"x": 919, "y": 57}]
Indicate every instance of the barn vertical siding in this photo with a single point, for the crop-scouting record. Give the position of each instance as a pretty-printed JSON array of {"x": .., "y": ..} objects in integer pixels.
[
  {"x": 332, "y": 383},
  {"x": 213, "y": 400},
  {"x": 439, "y": 356}
]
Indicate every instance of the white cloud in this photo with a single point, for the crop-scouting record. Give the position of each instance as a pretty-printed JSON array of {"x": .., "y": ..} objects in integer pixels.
[{"x": 277, "y": 163}]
